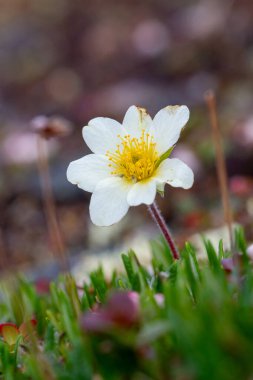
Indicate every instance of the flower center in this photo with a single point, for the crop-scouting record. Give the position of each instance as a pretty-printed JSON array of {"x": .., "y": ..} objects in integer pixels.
[{"x": 135, "y": 159}]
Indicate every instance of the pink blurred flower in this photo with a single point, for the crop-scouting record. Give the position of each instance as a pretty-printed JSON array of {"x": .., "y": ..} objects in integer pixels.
[
  {"x": 203, "y": 19},
  {"x": 21, "y": 148},
  {"x": 228, "y": 264},
  {"x": 42, "y": 285},
  {"x": 122, "y": 310},
  {"x": 250, "y": 251},
  {"x": 151, "y": 37},
  {"x": 240, "y": 185},
  {"x": 159, "y": 297}
]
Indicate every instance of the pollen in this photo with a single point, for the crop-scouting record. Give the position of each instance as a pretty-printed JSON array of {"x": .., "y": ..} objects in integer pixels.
[{"x": 134, "y": 159}]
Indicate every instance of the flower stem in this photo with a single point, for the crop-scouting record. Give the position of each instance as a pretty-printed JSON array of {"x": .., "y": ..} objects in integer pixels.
[
  {"x": 49, "y": 205},
  {"x": 158, "y": 218}
]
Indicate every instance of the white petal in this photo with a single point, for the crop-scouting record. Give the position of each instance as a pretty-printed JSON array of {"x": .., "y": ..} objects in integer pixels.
[
  {"x": 101, "y": 134},
  {"x": 88, "y": 171},
  {"x": 142, "y": 192},
  {"x": 136, "y": 119},
  {"x": 109, "y": 201},
  {"x": 167, "y": 126},
  {"x": 176, "y": 173}
]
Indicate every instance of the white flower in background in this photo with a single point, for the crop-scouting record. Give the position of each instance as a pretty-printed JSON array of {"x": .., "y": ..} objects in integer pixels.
[{"x": 130, "y": 163}]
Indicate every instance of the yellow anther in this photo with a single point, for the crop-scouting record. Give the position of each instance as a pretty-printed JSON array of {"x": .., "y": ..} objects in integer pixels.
[{"x": 134, "y": 159}]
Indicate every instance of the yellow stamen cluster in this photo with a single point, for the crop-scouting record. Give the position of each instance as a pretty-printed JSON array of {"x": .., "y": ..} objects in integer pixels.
[{"x": 134, "y": 159}]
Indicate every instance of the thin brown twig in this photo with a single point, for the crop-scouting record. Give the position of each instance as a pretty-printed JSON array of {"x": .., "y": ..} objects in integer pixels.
[
  {"x": 49, "y": 204},
  {"x": 220, "y": 161}
]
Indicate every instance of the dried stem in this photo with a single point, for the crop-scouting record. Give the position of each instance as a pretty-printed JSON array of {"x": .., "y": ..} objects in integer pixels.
[
  {"x": 158, "y": 218},
  {"x": 220, "y": 161},
  {"x": 49, "y": 204}
]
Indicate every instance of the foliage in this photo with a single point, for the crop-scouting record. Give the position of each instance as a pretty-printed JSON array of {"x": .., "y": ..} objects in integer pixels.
[{"x": 174, "y": 320}]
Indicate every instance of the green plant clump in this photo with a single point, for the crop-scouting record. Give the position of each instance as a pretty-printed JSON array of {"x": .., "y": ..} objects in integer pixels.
[{"x": 175, "y": 320}]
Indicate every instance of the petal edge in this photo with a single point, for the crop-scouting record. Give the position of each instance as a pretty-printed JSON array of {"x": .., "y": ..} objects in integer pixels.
[
  {"x": 101, "y": 134},
  {"x": 168, "y": 124},
  {"x": 108, "y": 203},
  {"x": 87, "y": 171},
  {"x": 176, "y": 173}
]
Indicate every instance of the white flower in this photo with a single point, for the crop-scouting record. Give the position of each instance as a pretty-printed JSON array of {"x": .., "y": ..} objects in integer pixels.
[{"x": 130, "y": 163}]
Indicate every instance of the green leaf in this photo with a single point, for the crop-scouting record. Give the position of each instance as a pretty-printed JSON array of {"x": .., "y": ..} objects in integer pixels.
[
  {"x": 240, "y": 242},
  {"x": 221, "y": 250},
  {"x": 191, "y": 272},
  {"x": 164, "y": 156},
  {"x": 192, "y": 252},
  {"x": 128, "y": 267},
  {"x": 99, "y": 283},
  {"x": 136, "y": 283},
  {"x": 212, "y": 256}
]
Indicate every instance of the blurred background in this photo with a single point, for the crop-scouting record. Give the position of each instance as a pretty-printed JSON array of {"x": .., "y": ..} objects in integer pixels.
[{"x": 82, "y": 59}]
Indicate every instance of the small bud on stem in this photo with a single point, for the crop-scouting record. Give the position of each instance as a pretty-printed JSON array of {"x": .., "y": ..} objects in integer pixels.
[{"x": 46, "y": 128}]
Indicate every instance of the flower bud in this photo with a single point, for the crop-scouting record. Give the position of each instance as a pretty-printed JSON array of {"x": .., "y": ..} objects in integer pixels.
[
  {"x": 53, "y": 126},
  {"x": 123, "y": 308}
]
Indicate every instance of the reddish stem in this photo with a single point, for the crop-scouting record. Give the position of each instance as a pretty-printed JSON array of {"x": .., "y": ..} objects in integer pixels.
[{"x": 158, "y": 218}]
